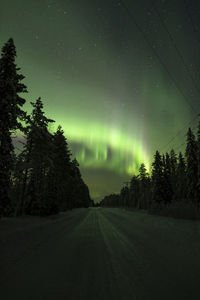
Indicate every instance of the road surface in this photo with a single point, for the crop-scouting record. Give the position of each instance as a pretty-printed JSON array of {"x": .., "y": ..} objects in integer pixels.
[{"x": 100, "y": 253}]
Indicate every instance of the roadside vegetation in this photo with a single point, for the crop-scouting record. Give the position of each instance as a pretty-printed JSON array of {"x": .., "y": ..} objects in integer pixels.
[
  {"x": 173, "y": 187},
  {"x": 40, "y": 178}
]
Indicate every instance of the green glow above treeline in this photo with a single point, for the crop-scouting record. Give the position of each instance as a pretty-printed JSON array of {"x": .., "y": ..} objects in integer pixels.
[
  {"x": 100, "y": 80},
  {"x": 107, "y": 148}
]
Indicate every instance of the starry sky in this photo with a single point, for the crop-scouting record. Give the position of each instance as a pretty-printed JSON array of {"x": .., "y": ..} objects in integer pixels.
[{"x": 121, "y": 77}]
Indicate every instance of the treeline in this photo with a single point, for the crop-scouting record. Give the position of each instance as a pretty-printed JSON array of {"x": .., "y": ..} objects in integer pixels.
[
  {"x": 42, "y": 179},
  {"x": 173, "y": 188}
]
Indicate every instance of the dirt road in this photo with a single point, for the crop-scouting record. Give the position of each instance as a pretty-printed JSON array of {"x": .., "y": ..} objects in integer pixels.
[{"x": 100, "y": 253}]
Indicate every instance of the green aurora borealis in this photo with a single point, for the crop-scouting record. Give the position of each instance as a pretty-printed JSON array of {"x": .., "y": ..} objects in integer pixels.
[{"x": 99, "y": 78}]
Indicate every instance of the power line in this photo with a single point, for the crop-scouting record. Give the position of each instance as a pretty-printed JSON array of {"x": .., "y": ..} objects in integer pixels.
[
  {"x": 173, "y": 138},
  {"x": 180, "y": 146},
  {"x": 191, "y": 21},
  {"x": 132, "y": 17},
  {"x": 164, "y": 66},
  {"x": 184, "y": 143},
  {"x": 175, "y": 46}
]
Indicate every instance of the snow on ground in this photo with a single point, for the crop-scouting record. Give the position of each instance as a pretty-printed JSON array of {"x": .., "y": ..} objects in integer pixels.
[
  {"x": 100, "y": 253},
  {"x": 18, "y": 236}
]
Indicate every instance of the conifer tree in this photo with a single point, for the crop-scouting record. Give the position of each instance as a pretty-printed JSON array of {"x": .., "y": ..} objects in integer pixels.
[
  {"x": 167, "y": 175},
  {"x": 17, "y": 183},
  {"x": 59, "y": 176},
  {"x": 38, "y": 157},
  {"x": 124, "y": 196},
  {"x": 157, "y": 178},
  {"x": 135, "y": 192},
  {"x": 144, "y": 186},
  {"x": 173, "y": 162},
  {"x": 11, "y": 87},
  {"x": 173, "y": 170},
  {"x": 191, "y": 167},
  {"x": 198, "y": 158},
  {"x": 80, "y": 191},
  {"x": 180, "y": 194}
]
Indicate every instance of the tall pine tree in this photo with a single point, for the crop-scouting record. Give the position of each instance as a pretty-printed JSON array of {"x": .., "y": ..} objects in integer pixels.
[
  {"x": 80, "y": 191},
  {"x": 59, "y": 176},
  {"x": 144, "y": 186},
  {"x": 167, "y": 175},
  {"x": 157, "y": 179},
  {"x": 180, "y": 194},
  {"x": 173, "y": 171},
  {"x": 11, "y": 87},
  {"x": 135, "y": 191},
  {"x": 38, "y": 158},
  {"x": 191, "y": 167},
  {"x": 198, "y": 158}
]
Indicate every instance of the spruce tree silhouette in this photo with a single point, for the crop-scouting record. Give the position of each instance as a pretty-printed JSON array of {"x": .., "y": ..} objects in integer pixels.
[
  {"x": 180, "y": 193},
  {"x": 173, "y": 171},
  {"x": 198, "y": 158},
  {"x": 59, "y": 174},
  {"x": 167, "y": 175},
  {"x": 135, "y": 191},
  {"x": 144, "y": 186},
  {"x": 37, "y": 157},
  {"x": 81, "y": 196},
  {"x": 191, "y": 166},
  {"x": 11, "y": 113},
  {"x": 157, "y": 178}
]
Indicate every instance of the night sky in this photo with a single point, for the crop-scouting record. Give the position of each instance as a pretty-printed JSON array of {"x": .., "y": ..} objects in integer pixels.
[{"x": 122, "y": 80}]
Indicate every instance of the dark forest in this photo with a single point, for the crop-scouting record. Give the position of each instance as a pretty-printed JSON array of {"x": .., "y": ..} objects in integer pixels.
[{"x": 99, "y": 150}]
